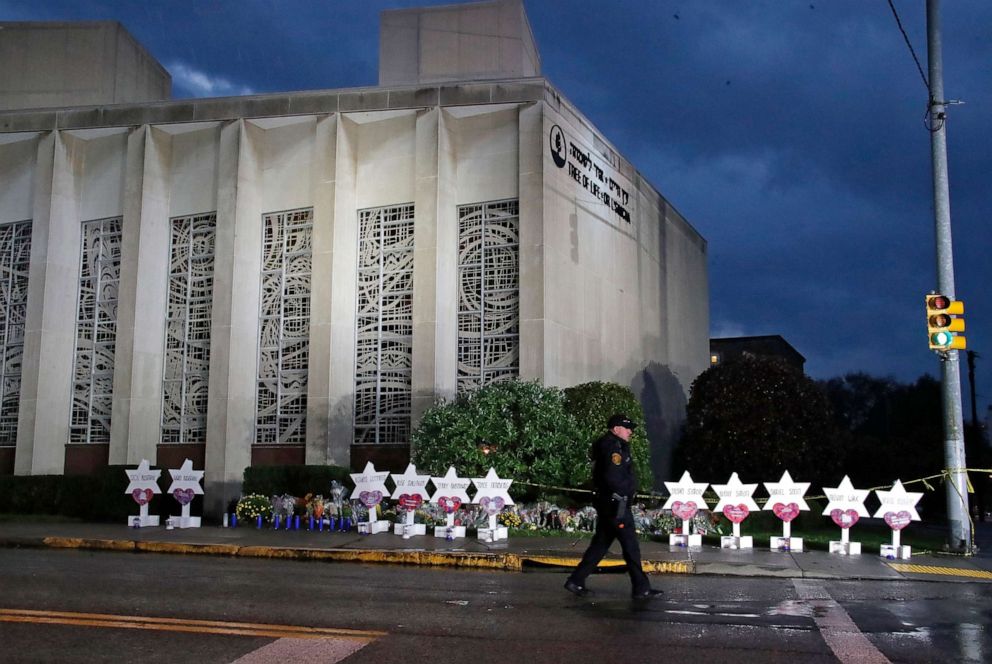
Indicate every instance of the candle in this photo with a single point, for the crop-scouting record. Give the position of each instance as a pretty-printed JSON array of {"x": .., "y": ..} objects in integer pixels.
[
  {"x": 258, "y": 521},
  {"x": 296, "y": 523},
  {"x": 320, "y": 525},
  {"x": 234, "y": 521},
  {"x": 332, "y": 523},
  {"x": 275, "y": 524},
  {"x": 310, "y": 527},
  {"x": 345, "y": 524}
]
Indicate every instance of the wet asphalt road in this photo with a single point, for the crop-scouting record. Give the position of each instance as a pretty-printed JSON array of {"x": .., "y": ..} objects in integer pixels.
[{"x": 444, "y": 615}]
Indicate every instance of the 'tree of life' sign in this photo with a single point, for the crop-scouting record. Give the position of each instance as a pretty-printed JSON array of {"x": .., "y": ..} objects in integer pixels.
[{"x": 586, "y": 170}]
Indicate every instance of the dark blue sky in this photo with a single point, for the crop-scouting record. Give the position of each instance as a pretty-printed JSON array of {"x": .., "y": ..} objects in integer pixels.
[{"x": 789, "y": 133}]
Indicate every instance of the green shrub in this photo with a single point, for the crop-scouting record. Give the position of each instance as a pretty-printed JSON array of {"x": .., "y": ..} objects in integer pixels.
[
  {"x": 592, "y": 404},
  {"x": 96, "y": 497},
  {"x": 294, "y": 480},
  {"x": 531, "y": 436}
]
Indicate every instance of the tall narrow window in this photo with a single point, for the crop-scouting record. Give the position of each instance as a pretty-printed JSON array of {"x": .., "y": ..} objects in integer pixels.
[
  {"x": 187, "y": 329},
  {"x": 96, "y": 331},
  {"x": 15, "y": 259},
  {"x": 284, "y": 328},
  {"x": 384, "y": 339},
  {"x": 488, "y": 293}
]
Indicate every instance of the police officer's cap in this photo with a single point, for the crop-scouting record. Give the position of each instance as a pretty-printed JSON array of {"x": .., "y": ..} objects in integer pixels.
[{"x": 621, "y": 420}]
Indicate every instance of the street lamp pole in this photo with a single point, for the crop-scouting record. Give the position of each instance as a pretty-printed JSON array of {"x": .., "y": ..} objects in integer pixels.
[{"x": 959, "y": 532}]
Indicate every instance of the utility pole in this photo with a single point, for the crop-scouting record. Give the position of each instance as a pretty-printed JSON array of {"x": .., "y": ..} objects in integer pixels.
[{"x": 959, "y": 526}]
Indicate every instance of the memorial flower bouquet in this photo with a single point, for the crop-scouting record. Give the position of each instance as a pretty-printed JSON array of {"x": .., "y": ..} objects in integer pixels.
[
  {"x": 510, "y": 519},
  {"x": 252, "y": 506}
]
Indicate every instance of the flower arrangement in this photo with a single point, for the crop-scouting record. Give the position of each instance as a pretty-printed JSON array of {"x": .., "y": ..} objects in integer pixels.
[
  {"x": 252, "y": 506},
  {"x": 510, "y": 519}
]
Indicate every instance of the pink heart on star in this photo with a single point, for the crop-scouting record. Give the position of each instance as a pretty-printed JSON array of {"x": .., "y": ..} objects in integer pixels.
[
  {"x": 142, "y": 496},
  {"x": 898, "y": 520},
  {"x": 184, "y": 496},
  {"x": 492, "y": 506},
  {"x": 686, "y": 510},
  {"x": 449, "y": 503},
  {"x": 786, "y": 512},
  {"x": 410, "y": 501},
  {"x": 844, "y": 518},
  {"x": 736, "y": 513},
  {"x": 370, "y": 498}
]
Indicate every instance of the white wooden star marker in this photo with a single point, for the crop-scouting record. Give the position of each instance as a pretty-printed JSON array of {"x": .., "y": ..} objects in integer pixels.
[
  {"x": 143, "y": 478},
  {"x": 411, "y": 484},
  {"x": 897, "y": 500},
  {"x": 370, "y": 485},
  {"x": 685, "y": 491},
  {"x": 735, "y": 493},
  {"x": 846, "y": 497},
  {"x": 786, "y": 492},
  {"x": 185, "y": 478},
  {"x": 142, "y": 486},
  {"x": 492, "y": 487},
  {"x": 451, "y": 487}
]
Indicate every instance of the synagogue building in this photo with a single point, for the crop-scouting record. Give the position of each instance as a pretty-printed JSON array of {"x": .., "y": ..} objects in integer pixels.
[{"x": 295, "y": 277}]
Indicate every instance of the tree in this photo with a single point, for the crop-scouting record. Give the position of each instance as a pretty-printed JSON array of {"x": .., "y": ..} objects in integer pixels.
[
  {"x": 759, "y": 416},
  {"x": 519, "y": 428},
  {"x": 592, "y": 404}
]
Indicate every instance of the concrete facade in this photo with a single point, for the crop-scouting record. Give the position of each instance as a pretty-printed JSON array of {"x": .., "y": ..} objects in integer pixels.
[
  {"x": 76, "y": 64},
  {"x": 611, "y": 280}
]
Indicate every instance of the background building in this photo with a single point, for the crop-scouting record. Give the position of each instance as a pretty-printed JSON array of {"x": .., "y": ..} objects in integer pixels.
[
  {"x": 769, "y": 345},
  {"x": 295, "y": 278}
]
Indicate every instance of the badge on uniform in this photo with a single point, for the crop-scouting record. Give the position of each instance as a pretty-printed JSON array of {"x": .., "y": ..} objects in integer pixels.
[{"x": 616, "y": 458}]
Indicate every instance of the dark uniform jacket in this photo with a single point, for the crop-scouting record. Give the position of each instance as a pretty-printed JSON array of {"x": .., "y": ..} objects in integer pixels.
[{"x": 612, "y": 467}]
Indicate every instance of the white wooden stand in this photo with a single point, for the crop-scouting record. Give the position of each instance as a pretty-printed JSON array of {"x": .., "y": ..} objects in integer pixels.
[
  {"x": 142, "y": 519},
  {"x": 736, "y": 541},
  {"x": 786, "y": 542},
  {"x": 895, "y": 550},
  {"x": 185, "y": 520},
  {"x": 408, "y": 528},
  {"x": 686, "y": 537},
  {"x": 493, "y": 533},
  {"x": 449, "y": 530},
  {"x": 373, "y": 526},
  {"x": 845, "y": 546}
]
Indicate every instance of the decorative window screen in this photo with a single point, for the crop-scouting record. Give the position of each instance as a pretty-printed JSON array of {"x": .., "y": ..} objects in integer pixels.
[
  {"x": 187, "y": 329},
  {"x": 284, "y": 328},
  {"x": 384, "y": 320},
  {"x": 96, "y": 331},
  {"x": 15, "y": 258},
  {"x": 488, "y": 293}
]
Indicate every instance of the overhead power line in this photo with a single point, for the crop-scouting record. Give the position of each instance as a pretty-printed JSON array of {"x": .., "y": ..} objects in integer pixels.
[{"x": 919, "y": 67}]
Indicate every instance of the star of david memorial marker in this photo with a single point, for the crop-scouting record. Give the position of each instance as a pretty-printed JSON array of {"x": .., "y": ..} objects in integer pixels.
[
  {"x": 736, "y": 503},
  {"x": 370, "y": 489},
  {"x": 142, "y": 486},
  {"x": 492, "y": 495},
  {"x": 898, "y": 509},
  {"x": 185, "y": 485},
  {"x": 410, "y": 494},
  {"x": 785, "y": 500},
  {"x": 845, "y": 507},
  {"x": 685, "y": 499},
  {"x": 450, "y": 495}
]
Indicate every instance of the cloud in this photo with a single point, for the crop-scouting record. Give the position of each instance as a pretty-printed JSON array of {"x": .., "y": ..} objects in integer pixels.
[{"x": 190, "y": 82}]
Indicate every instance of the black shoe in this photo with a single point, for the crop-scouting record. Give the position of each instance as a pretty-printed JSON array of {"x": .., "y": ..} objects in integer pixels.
[
  {"x": 650, "y": 593},
  {"x": 576, "y": 589}
]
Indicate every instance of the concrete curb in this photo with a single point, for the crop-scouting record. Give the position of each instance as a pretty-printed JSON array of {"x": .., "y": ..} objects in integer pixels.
[{"x": 494, "y": 561}]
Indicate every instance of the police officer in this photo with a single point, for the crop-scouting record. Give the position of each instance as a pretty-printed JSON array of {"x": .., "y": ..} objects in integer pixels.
[{"x": 615, "y": 483}]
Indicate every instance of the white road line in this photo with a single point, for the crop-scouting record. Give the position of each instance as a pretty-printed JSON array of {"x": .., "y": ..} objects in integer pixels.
[
  {"x": 840, "y": 633},
  {"x": 302, "y": 651}
]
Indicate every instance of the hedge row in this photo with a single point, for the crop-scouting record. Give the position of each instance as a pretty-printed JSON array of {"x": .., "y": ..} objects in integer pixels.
[{"x": 101, "y": 497}]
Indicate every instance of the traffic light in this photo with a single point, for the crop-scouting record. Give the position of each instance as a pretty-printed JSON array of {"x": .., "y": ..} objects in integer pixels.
[{"x": 944, "y": 323}]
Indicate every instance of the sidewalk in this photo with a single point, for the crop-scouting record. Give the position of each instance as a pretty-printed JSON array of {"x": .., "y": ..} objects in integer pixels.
[{"x": 515, "y": 554}]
